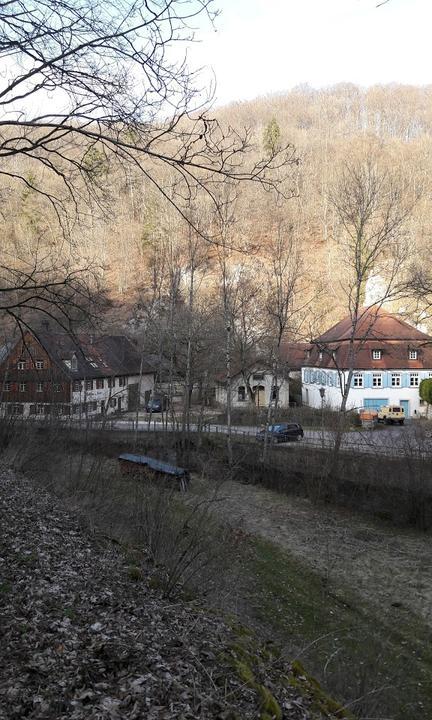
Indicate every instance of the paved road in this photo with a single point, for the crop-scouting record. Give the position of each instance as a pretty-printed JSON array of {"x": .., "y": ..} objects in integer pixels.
[{"x": 389, "y": 440}]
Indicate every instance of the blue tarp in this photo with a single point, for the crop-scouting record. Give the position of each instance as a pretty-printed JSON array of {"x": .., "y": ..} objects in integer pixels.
[{"x": 157, "y": 465}]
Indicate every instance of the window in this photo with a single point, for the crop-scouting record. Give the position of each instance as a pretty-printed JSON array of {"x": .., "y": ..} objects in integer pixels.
[
  {"x": 111, "y": 382},
  {"x": 320, "y": 355},
  {"x": 23, "y": 386},
  {"x": 40, "y": 409},
  {"x": 377, "y": 380},
  {"x": 358, "y": 380},
  {"x": 21, "y": 365},
  {"x": 413, "y": 354},
  {"x": 99, "y": 384},
  {"x": 258, "y": 376},
  {"x": 68, "y": 363},
  {"x": 7, "y": 386},
  {"x": 74, "y": 363},
  {"x": 93, "y": 406},
  {"x": 76, "y": 386},
  {"x": 396, "y": 380},
  {"x": 39, "y": 387},
  {"x": 39, "y": 364},
  {"x": 275, "y": 393},
  {"x": 122, "y": 381},
  {"x": 241, "y": 393},
  {"x": 113, "y": 402},
  {"x": 414, "y": 379},
  {"x": 376, "y": 354},
  {"x": 57, "y": 387},
  {"x": 89, "y": 384}
]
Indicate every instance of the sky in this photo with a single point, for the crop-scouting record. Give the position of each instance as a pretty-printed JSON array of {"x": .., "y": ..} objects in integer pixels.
[{"x": 260, "y": 47}]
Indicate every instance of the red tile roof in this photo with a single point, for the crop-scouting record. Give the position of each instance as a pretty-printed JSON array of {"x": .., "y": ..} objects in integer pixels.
[
  {"x": 395, "y": 355},
  {"x": 376, "y": 330},
  {"x": 294, "y": 354},
  {"x": 373, "y": 324}
]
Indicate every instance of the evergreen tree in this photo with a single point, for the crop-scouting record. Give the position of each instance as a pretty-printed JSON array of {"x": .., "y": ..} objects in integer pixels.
[{"x": 271, "y": 138}]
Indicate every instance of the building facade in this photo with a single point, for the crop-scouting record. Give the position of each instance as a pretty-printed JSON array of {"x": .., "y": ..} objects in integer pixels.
[
  {"x": 257, "y": 389},
  {"x": 388, "y": 356},
  {"x": 57, "y": 374}
]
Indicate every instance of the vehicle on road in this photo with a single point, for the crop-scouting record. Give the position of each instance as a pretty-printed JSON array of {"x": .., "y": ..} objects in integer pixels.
[
  {"x": 281, "y": 432},
  {"x": 391, "y": 414},
  {"x": 157, "y": 405}
]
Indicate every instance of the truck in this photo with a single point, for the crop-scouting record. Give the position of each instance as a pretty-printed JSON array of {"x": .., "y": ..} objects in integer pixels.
[{"x": 391, "y": 414}]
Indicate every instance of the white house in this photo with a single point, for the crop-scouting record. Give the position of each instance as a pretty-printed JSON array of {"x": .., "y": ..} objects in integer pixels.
[
  {"x": 390, "y": 358},
  {"x": 256, "y": 388}
]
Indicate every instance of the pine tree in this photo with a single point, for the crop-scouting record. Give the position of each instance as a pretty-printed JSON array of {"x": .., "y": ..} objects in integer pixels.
[{"x": 271, "y": 138}]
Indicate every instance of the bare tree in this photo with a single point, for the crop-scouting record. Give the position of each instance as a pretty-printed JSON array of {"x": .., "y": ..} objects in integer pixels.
[
  {"x": 371, "y": 208},
  {"x": 89, "y": 86},
  {"x": 89, "y": 83},
  {"x": 286, "y": 299}
]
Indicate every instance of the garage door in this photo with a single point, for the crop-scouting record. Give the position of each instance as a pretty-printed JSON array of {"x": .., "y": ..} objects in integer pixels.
[{"x": 375, "y": 403}]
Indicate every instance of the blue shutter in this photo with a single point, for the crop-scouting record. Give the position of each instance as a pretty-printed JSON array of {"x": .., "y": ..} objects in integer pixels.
[
  {"x": 405, "y": 380},
  {"x": 368, "y": 380}
]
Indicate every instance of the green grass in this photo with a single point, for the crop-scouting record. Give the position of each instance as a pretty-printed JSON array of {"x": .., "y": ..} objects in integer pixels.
[{"x": 356, "y": 651}]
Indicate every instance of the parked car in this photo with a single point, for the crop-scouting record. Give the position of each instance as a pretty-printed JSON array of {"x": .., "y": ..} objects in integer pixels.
[
  {"x": 157, "y": 405},
  {"x": 281, "y": 432},
  {"x": 391, "y": 414}
]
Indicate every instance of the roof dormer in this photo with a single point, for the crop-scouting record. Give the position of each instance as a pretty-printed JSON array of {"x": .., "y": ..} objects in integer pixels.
[{"x": 377, "y": 354}]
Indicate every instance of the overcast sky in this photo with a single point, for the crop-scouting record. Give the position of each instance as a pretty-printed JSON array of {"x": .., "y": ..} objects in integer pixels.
[{"x": 267, "y": 46}]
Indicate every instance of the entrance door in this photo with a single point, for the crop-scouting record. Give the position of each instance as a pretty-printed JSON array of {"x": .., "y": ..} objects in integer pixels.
[
  {"x": 259, "y": 393},
  {"x": 405, "y": 405}
]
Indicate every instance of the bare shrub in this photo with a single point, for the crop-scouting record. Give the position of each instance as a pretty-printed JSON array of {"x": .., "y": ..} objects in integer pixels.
[{"x": 178, "y": 533}]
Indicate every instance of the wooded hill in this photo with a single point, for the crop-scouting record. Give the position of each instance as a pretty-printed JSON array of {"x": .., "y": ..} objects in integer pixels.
[{"x": 141, "y": 250}]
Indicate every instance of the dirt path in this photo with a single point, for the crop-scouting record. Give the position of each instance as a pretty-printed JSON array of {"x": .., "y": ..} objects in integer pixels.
[{"x": 385, "y": 565}]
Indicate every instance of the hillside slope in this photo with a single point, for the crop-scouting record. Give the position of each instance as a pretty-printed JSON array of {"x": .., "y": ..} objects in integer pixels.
[{"x": 84, "y": 636}]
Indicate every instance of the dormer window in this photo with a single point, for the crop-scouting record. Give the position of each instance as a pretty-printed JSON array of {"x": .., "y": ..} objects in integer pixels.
[
  {"x": 376, "y": 354},
  {"x": 413, "y": 354},
  {"x": 320, "y": 355},
  {"x": 74, "y": 363}
]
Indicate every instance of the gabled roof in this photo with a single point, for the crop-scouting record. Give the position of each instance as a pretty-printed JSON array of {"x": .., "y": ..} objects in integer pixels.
[
  {"x": 376, "y": 329},
  {"x": 394, "y": 356},
  {"x": 373, "y": 324},
  {"x": 294, "y": 354},
  {"x": 102, "y": 356}
]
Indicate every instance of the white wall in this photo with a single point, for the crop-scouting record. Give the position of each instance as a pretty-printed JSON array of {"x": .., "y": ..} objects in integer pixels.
[
  {"x": 105, "y": 394},
  {"x": 332, "y": 398},
  {"x": 267, "y": 383}
]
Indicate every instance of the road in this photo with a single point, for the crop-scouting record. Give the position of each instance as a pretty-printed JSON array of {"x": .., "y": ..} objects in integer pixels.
[{"x": 386, "y": 440}]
